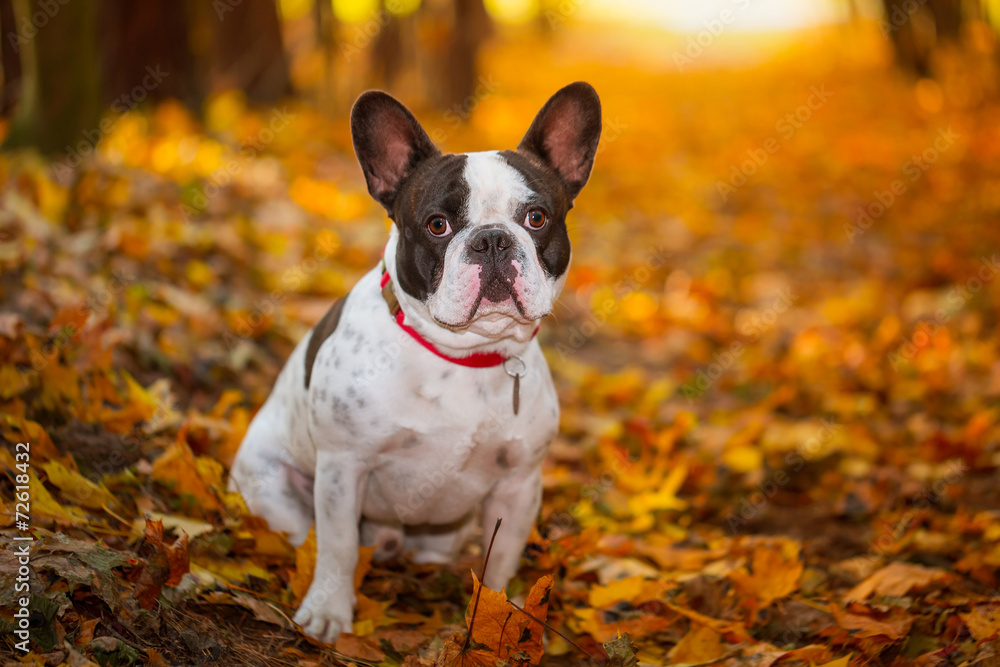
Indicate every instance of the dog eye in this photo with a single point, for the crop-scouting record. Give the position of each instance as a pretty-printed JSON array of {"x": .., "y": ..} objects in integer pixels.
[
  {"x": 439, "y": 227},
  {"x": 535, "y": 219}
]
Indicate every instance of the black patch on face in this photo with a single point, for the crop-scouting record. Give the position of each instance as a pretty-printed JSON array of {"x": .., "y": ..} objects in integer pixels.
[
  {"x": 437, "y": 187},
  {"x": 551, "y": 241}
]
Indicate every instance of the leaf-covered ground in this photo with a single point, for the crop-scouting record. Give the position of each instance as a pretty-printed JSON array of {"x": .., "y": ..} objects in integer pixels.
[{"x": 776, "y": 353}]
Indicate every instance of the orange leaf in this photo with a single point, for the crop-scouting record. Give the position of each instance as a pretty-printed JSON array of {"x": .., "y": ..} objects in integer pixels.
[
  {"x": 896, "y": 579},
  {"x": 499, "y": 630},
  {"x": 178, "y": 469},
  {"x": 165, "y": 565},
  {"x": 356, "y": 647},
  {"x": 773, "y": 574},
  {"x": 894, "y": 625}
]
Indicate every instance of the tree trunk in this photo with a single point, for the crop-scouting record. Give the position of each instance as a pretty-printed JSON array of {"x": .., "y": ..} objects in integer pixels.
[
  {"x": 10, "y": 58},
  {"x": 249, "y": 54},
  {"x": 910, "y": 42},
  {"x": 151, "y": 34},
  {"x": 471, "y": 27},
  {"x": 61, "y": 95}
]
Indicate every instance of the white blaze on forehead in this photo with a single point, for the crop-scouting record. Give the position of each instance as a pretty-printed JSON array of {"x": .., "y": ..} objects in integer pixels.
[{"x": 496, "y": 189}]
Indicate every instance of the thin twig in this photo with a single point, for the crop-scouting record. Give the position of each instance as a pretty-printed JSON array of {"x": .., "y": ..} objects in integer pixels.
[
  {"x": 502, "y": 628},
  {"x": 486, "y": 561},
  {"x": 537, "y": 620}
]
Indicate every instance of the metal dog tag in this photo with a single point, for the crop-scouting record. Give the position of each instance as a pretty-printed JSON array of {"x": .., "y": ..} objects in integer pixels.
[{"x": 517, "y": 375}]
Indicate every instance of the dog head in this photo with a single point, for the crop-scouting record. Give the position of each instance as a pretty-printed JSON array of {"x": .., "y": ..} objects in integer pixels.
[{"x": 481, "y": 238}]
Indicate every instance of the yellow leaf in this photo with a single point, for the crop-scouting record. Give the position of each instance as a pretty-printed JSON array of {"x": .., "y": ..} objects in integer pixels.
[
  {"x": 233, "y": 570},
  {"x": 305, "y": 566},
  {"x": 12, "y": 382},
  {"x": 744, "y": 458},
  {"x": 269, "y": 543},
  {"x": 839, "y": 662},
  {"x": 700, "y": 645},
  {"x": 983, "y": 622},
  {"x": 665, "y": 498},
  {"x": 637, "y": 589},
  {"x": 43, "y": 504},
  {"x": 76, "y": 488},
  {"x": 615, "y": 592}
]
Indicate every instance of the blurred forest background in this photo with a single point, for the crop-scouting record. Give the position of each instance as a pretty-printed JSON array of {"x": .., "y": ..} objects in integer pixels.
[
  {"x": 777, "y": 350},
  {"x": 65, "y": 63}
]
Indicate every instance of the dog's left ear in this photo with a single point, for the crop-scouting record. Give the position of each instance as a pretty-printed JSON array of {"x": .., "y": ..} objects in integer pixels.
[
  {"x": 389, "y": 143},
  {"x": 565, "y": 134}
]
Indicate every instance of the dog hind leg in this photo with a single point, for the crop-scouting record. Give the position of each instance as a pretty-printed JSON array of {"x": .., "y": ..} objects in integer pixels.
[
  {"x": 386, "y": 538},
  {"x": 438, "y": 544},
  {"x": 272, "y": 488}
]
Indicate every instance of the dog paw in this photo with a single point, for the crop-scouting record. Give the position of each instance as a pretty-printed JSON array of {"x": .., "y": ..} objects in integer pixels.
[{"x": 325, "y": 621}]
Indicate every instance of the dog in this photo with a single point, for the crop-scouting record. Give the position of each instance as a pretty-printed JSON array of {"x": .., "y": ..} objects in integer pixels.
[{"x": 421, "y": 400}]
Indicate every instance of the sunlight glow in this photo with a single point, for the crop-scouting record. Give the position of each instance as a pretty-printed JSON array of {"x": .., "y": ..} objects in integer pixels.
[
  {"x": 512, "y": 11},
  {"x": 355, "y": 11},
  {"x": 682, "y": 15}
]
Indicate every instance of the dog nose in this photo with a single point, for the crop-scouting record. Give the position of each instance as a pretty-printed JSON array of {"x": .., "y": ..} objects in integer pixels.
[{"x": 491, "y": 242}]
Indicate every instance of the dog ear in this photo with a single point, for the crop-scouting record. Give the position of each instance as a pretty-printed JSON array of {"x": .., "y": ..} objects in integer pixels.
[
  {"x": 565, "y": 134},
  {"x": 389, "y": 144}
]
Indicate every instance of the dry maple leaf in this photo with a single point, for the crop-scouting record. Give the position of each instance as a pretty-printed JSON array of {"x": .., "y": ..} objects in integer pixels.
[
  {"x": 773, "y": 573},
  {"x": 165, "y": 565},
  {"x": 500, "y": 632},
  {"x": 621, "y": 652}
]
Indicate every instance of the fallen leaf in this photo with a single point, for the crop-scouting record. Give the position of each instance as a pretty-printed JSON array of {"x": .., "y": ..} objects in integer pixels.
[
  {"x": 499, "y": 632},
  {"x": 178, "y": 469},
  {"x": 897, "y": 579},
  {"x": 893, "y": 625},
  {"x": 700, "y": 645},
  {"x": 76, "y": 488},
  {"x": 983, "y": 622},
  {"x": 773, "y": 573},
  {"x": 357, "y": 647},
  {"x": 621, "y": 652}
]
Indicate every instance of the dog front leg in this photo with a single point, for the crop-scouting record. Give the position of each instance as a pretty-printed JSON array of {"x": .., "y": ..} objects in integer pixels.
[
  {"x": 328, "y": 608},
  {"x": 516, "y": 499}
]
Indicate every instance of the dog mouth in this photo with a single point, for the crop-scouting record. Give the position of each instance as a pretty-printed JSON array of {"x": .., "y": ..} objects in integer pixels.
[{"x": 497, "y": 301}]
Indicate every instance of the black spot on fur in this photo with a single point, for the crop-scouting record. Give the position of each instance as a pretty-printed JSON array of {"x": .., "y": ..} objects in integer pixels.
[{"x": 323, "y": 330}]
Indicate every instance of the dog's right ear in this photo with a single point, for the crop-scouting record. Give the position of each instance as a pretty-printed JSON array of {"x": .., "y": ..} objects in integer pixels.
[
  {"x": 389, "y": 143},
  {"x": 565, "y": 134}
]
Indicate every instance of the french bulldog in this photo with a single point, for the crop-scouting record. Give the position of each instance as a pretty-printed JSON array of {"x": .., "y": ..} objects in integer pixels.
[{"x": 420, "y": 405}]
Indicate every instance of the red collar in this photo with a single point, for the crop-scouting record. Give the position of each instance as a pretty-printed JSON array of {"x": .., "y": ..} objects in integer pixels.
[{"x": 474, "y": 360}]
